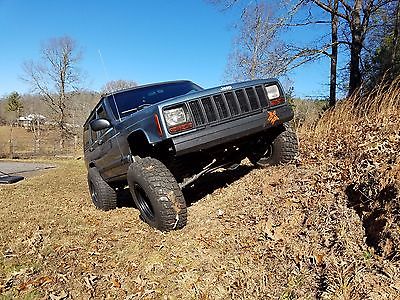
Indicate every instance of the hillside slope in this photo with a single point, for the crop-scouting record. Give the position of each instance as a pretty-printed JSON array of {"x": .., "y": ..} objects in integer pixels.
[
  {"x": 325, "y": 227},
  {"x": 283, "y": 232}
]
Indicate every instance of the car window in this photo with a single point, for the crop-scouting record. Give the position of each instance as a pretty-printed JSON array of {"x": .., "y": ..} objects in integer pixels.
[
  {"x": 89, "y": 136},
  {"x": 86, "y": 136},
  {"x": 102, "y": 114},
  {"x": 128, "y": 101},
  {"x": 93, "y": 136}
]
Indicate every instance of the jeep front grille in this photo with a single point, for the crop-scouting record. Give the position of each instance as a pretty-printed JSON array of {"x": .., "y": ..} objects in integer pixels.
[
  {"x": 209, "y": 108},
  {"x": 227, "y": 105},
  {"x": 197, "y": 112}
]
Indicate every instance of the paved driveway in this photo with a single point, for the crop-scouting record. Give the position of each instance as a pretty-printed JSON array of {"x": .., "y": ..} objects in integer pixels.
[{"x": 26, "y": 169}]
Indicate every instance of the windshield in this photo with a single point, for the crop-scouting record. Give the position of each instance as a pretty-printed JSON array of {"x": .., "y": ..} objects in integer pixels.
[{"x": 132, "y": 100}]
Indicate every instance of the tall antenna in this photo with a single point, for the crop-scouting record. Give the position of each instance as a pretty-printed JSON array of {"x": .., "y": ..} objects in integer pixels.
[{"x": 112, "y": 92}]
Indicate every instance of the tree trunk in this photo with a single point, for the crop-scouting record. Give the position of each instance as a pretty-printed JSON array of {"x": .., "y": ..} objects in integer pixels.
[
  {"x": 355, "y": 73},
  {"x": 395, "y": 58},
  {"x": 355, "y": 48},
  {"x": 11, "y": 142},
  {"x": 334, "y": 38},
  {"x": 62, "y": 127}
]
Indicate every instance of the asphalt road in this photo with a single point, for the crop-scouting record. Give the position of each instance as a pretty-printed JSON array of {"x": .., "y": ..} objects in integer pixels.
[{"x": 26, "y": 169}]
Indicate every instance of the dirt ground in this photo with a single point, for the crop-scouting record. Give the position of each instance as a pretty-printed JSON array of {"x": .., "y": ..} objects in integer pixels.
[
  {"x": 324, "y": 227},
  {"x": 284, "y": 232}
]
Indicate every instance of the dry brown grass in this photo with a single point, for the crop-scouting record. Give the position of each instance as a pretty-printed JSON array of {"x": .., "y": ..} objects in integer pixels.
[
  {"x": 286, "y": 232},
  {"x": 22, "y": 137},
  {"x": 363, "y": 135},
  {"x": 307, "y": 114},
  {"x": 255, "y": 238},
  {"x": 360, "y": 141},
  {"x": 25, "y": 144}
]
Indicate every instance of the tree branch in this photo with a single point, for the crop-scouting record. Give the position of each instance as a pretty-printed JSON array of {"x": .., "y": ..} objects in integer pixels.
[
  {"x": 302, "y": 24},
  {"x": 346, "y": 5},
  {"x": 330, "y": 9}
]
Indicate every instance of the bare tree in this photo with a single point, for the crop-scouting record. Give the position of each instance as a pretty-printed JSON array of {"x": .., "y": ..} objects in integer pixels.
[
  {"x": 353, "y": 15},
  {"x": 116, "y": 85},
  {"x": 256, "y": 45},
  {"x": 259, "y": 50},
  {"x": 334, "y": 51},
  {"x": 56, "y": 78},
  {"x": 357, "y": 15},
  {"x": 395, "y": 59}
]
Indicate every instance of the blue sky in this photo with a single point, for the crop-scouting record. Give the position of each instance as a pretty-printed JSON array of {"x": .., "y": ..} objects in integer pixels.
[{"x": 144, "y": 41}]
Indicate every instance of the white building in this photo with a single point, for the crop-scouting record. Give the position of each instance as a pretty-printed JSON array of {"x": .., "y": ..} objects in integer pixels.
[{"x": 30, "y": 119}]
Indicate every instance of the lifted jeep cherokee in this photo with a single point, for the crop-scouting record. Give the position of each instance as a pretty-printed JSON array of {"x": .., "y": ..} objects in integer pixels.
[{"x": 161, "y": 137}]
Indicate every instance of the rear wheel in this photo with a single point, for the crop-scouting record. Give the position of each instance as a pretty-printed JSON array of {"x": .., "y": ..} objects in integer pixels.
[
  {"x": 280, "y": 149},
  {"x": 103, "y": 195},
  {"x": 157, "y": 195}
]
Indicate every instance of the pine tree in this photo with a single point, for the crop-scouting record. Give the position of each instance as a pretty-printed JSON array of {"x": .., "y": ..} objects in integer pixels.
[{"x": 14, "y": 103}]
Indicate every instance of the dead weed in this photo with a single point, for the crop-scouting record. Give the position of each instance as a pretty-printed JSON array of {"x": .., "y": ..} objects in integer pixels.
[{"x": 326, "y": 227}]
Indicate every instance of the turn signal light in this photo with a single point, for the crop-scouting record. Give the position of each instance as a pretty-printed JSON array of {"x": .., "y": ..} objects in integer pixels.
[
  {"x": 181, "y": 127},
  {"x": 277, "y": 101}
]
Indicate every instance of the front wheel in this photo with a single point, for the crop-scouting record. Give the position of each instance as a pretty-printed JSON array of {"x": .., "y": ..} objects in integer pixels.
[
  {"x": 281, "y": 149},
  {"x": 157, "y": 195}
]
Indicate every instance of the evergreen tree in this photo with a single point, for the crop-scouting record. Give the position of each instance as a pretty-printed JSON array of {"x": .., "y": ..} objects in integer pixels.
[{"x": 14, "y": 103}]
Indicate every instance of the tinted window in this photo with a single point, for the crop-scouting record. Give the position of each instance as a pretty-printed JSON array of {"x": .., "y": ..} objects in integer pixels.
[
  {"x": 93, "y": 135},
  {"x": 86, "y": 136},
  {"x": 128, "y": 101},
  {"x": 101, "y": 114}
]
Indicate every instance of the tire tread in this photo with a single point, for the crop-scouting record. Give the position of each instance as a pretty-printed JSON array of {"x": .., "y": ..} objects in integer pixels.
[
  {"x": 162, "y": 183},
  {"x": 107, "y": 195}
]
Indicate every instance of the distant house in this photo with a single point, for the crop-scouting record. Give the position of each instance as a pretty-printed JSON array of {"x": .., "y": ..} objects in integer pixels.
[{"x": 31, "y": 119}]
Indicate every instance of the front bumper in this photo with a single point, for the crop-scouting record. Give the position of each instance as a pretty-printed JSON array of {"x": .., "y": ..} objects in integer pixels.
[{"x": 218, "y": 134}]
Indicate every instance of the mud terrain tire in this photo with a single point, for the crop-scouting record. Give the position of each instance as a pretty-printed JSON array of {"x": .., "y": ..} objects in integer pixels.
[
  {"x": 103, "y": 195},
  {"x": 157, "y": 195},
  {"x": 281, "y": 150}
]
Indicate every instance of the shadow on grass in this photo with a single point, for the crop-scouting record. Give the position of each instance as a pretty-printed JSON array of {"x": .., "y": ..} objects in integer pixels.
[
  {"x": 378, "y": 214},
  {"x": 210, "y": 182},
  {"x": 200, "y": 188}
]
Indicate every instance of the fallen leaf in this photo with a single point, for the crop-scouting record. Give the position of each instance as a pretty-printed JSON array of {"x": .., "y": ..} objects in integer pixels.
[
  {"x": 116, "y": 283},
  {"x": 35, "y": 282},
  {"x": 62, "y": 295}
]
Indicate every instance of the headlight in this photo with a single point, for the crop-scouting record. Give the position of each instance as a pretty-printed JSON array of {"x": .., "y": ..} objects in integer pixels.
[
  {"x": 272, "y": 92},
  {"x": 175, "y": 116},
  {"x": 177, "y": 119},
  {"x": 274, "y": 95}
]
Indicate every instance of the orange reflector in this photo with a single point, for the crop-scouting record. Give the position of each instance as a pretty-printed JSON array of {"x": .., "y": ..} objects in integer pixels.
[{"x": 157, "y": 121}]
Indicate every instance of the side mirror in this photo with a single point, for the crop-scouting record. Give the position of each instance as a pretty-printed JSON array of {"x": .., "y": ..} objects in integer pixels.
[{"x": 100, "y": 124}]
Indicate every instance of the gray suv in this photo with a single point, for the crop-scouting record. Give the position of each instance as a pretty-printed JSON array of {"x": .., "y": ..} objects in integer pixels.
[{"x": 160, "y": 138}]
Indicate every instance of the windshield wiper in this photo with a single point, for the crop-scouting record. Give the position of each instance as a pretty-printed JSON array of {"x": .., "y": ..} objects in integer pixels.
[{"x": 132, "y": 110}]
